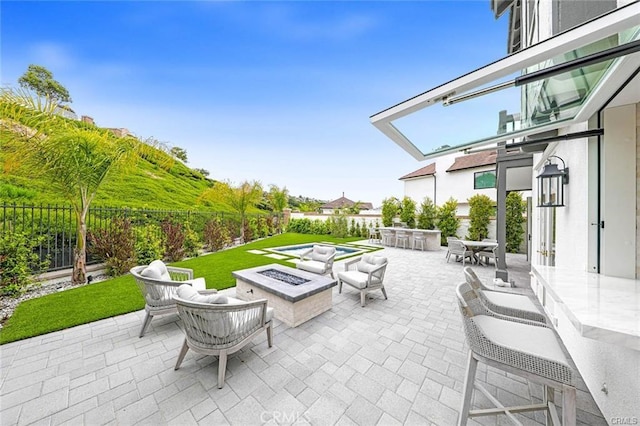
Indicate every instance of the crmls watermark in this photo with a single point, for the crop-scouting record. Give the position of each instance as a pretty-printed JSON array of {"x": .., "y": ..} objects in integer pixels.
[
  {"x": 284, "y": 417},
  {"x": 624, "y": 420}
]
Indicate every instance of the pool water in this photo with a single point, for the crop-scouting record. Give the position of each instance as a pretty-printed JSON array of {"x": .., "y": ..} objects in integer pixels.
[{"x": 299, "y": 249}]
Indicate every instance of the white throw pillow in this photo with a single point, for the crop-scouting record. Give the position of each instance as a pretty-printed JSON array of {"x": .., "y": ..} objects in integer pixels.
[
  {"x": 151, "y": 272},
  {"x": 164, "y": 272},
  {"x": 187, "y": 292}
]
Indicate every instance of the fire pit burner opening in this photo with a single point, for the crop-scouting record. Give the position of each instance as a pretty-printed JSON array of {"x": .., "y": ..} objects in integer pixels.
[{"x": 284, "y": 277}]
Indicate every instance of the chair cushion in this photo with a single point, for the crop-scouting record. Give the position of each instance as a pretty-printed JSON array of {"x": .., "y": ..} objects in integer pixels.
[
  {"x": 187, "y": 292},
  {"x": 369, "y": 262},
  {"x": 151, "y": 271},
  {"x": 322, "y": 254},
  {"x": 517, "y": 301},
  {"x": 312, "y": 266},
  {"x": 528, "y": 339},
  {"x": 164, "y": 272},
  {"x": 355, "y": 279}
]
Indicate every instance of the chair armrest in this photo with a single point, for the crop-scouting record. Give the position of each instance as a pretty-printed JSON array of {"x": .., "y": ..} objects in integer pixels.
[
  {"x": 374, "y": 270},
  {"x": 351, "y": 262},
  {"x": 305, "y": 253}
]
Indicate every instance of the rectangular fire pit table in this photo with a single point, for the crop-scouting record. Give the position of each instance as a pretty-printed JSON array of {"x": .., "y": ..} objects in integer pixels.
[{"x": 307, "y": 296}]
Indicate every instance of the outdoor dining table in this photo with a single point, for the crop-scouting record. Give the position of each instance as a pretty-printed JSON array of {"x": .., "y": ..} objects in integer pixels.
[{"x": 478, "y": 246}]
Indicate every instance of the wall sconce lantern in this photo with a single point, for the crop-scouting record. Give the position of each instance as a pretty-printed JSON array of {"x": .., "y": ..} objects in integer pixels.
[{"x": 551, "y": 184}]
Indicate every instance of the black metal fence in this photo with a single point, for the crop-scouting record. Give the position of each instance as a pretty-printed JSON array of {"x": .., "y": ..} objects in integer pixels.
[{"x": 57, "y": 225}]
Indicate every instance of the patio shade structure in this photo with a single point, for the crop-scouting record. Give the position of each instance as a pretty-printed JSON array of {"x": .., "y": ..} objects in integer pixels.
[{"x": 549, "y": 86}]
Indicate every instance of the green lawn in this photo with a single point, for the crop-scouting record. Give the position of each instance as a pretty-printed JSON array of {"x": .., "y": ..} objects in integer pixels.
[{"x": 121, "y": 295}]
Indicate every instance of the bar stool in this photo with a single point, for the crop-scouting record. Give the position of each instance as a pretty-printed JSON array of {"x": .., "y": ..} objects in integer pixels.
[
  {"x": 418, "y": 237},
  {"x": 402, "y": 237},
  {"x": 387, "y": 237},
  {"x": 503, "y": 302},
  {"x": 524, "y": 348}
]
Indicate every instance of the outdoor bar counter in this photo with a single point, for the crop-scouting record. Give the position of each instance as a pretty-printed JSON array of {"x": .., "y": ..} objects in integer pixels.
[{"x": 598, "y": 320}]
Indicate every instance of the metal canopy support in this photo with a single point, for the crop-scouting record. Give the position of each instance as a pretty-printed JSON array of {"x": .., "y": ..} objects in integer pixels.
[{"x": 505, "y": 161}]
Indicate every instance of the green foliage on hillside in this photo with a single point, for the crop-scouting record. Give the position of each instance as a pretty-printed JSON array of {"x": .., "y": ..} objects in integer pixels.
[{"x": 156, "y": 181}]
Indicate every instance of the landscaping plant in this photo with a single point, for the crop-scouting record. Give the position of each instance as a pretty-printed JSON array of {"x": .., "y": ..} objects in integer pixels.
[
  {"x": 427, "y": 215},
  {"x": 149, "y": 245},
  {"x": 448, "y": 222},
  {"x": 408, "y": 212},
  {"x": 390, "y": 207},
  {"x": 17, "y": 258},
  {"x": 514, "y": 221},
  {"x": 173, "y": 240},
  {"x": 216, "y": 235},
  {"x": 480, "y": 211},
  {"x": 115, "y": 246}
]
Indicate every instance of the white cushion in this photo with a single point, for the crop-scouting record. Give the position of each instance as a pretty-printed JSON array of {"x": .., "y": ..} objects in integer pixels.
[
  {"x": 355, "y": 279},
  {"x": 187, "y": 292},
  {"x": 164, "y": 272},
  {"x": 198, "y": 283},
  {"x": 321, "y": 253},
  {"x": 151, "y": 272},
  {"x": 369, "y": 262},
  {"x": 516, "y": 301},
  {"x": 312, "y": 266},
  {"x": 529, "y": 339}
]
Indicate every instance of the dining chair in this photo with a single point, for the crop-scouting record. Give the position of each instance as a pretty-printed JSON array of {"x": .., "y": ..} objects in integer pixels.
[{"x": 458, "y": 249}]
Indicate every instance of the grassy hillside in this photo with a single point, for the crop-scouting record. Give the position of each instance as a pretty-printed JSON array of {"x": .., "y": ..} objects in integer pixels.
[{"x": 156, "y": 180}]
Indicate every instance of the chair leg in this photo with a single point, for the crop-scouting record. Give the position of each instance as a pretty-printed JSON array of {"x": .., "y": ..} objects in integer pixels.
[
  {"x": 469, "y": 380},
  {"x": 183, "y": 352},
  {"x": 145, "y": 323},
  {"x": 568, "y": 406},
  {"x": 384, "y": 292},
  {"x": 222, "y": 368},
  {"x": 270, "y": 335},
  {"x": 339, "y": 286},
  {"x": 363, "y": 297}
]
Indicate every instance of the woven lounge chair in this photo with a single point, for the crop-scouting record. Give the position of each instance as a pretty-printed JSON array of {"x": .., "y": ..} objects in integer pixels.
[
  {"x": 527, "y": 349},
  {"x": 158, "y": 284},
  {"x": 220, "y": 325}
]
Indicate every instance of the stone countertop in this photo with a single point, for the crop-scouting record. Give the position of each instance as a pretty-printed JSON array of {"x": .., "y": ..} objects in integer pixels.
[
  {"x": 600, "y": 307},
  {"x": 291, "y": 293}
]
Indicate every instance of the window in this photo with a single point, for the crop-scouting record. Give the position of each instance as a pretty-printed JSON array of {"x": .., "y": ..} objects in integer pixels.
[{"x": 483, "y": 180}]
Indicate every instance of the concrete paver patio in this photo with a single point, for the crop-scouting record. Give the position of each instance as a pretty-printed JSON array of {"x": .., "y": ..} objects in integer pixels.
[{"x": 396, "y": 361}]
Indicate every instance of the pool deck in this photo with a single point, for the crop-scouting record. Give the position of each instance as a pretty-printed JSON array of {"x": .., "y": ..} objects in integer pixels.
[{"x": 395, "y": 361}]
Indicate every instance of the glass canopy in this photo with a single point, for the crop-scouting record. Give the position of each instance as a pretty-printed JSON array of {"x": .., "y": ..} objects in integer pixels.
[{"x": 498, "y": 103}]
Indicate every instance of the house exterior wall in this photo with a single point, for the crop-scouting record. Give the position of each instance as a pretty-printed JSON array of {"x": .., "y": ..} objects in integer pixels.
[
  {"x": 610, "y": 371},
  {"x": 457, "y": 185}
]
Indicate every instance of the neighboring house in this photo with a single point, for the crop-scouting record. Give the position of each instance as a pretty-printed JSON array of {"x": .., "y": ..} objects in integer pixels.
[
  {"x": 578, "y": 107},
  {"x": 456, "y": 176},
  {"x": 343, "y": 203},
  {"x": 65, "y": 111}
]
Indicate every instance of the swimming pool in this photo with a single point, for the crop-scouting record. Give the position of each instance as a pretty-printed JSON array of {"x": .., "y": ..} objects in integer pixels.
[{"x": 297, "y": 250}]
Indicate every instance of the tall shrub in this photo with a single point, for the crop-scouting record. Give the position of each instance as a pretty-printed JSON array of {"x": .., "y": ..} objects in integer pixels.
[
  {"x": 173, "y": 240},
  {"x": 192, "y": 243},
  {"x": 408, "y": 212},
  {"x": 514, "y": 220},
  {"x": 148, "y": 244},
  {"x": 115, "y": 246},
  {"x": 448, "y": 222},
  {"x": 17, "y": 260},
  {"x": 480, "y": 211},
  {"x": 427, "y": 214},
  {"x": 390, "y": 207},
  {"x": 339, "y": 225},
  {"x": 216, "y": 235}
]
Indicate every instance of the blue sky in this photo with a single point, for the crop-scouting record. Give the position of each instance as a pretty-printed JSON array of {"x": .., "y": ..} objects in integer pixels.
[{"x": 279, "y": 92}]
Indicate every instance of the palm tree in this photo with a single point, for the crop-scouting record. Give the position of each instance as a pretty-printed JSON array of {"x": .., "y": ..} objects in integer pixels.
[
  {"x": 279, "y": 200},
  {"x": 76, "y": 160},
  {"x": 240, "y": 198}
]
